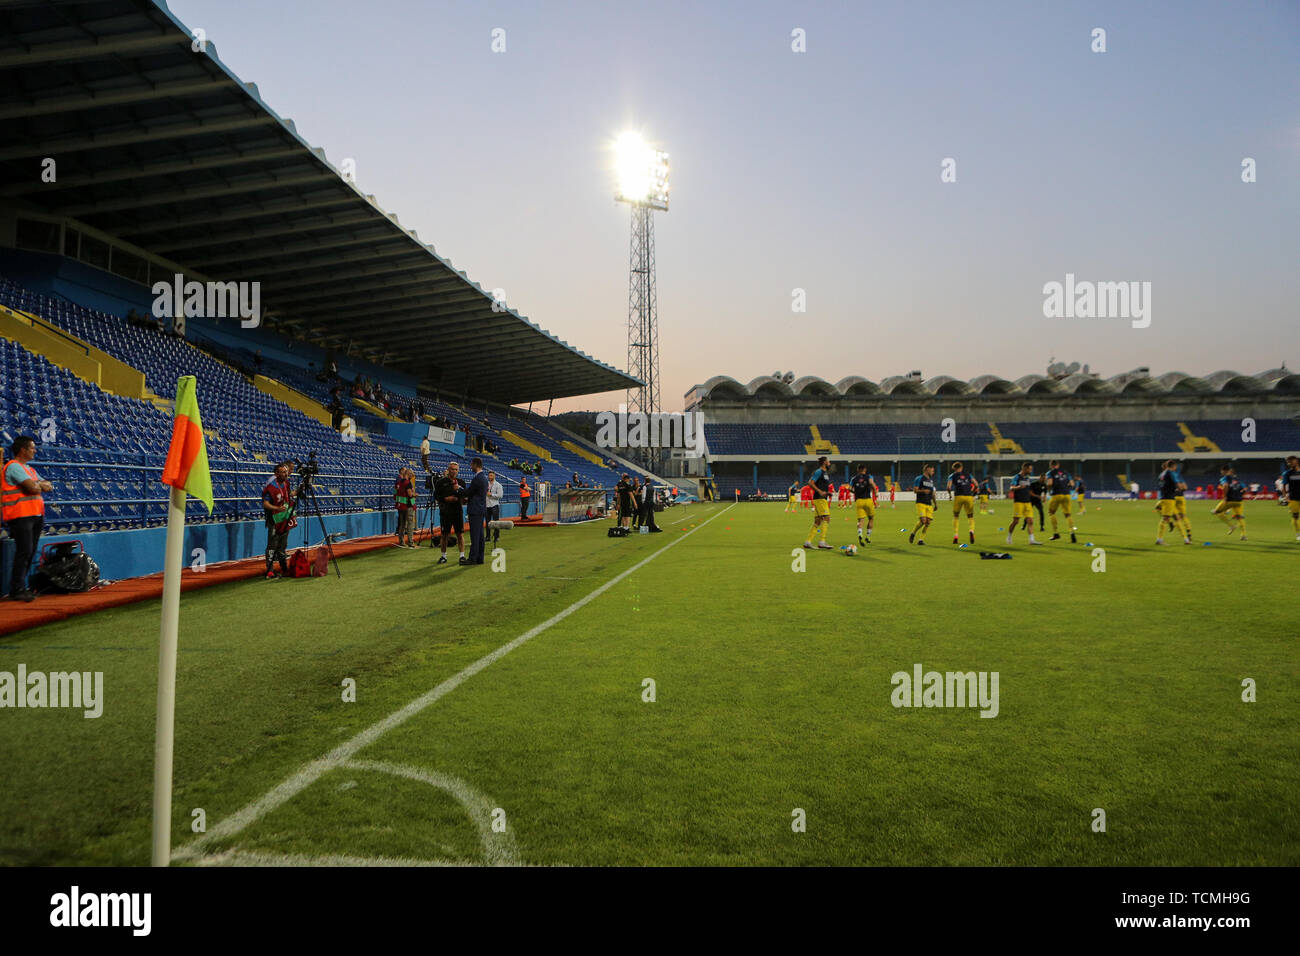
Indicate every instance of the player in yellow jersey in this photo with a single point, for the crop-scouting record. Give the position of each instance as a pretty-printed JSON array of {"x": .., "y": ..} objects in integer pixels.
[
  {"x": 864, "y": 490},
  {"x": 1022, "y": 497},
  {"x": 1231, "y": 507},
  {"x": 1166, "y": 505},
  {"x": 820, "y": 484},
  {"x": 1291, "y": 485},
  {"x": 1059, "y": 484},
  {"x": 963, "y": 488},
  {"x": 924, "y": 487},
  {"x": 1180, "y": 504}
]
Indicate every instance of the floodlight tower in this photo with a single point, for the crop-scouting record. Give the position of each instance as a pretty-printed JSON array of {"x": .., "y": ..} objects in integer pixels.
[{"x": 643, "y": 185}]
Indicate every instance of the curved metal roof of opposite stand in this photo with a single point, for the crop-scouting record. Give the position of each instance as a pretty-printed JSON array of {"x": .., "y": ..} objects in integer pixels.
[
  {"x": 163, "y": 146},
  {"x": 1138, "y": 382}
]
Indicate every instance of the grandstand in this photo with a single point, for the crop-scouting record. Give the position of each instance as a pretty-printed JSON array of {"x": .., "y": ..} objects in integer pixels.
[
  {"x": 169, "y": 164},
  {"x": 764, "y": 434}
]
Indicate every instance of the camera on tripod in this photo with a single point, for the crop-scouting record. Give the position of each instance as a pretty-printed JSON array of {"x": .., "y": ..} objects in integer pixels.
[{"x": 308, "y": 469}]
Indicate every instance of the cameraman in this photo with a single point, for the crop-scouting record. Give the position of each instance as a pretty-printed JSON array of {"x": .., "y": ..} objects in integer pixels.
[
  {"x": 404, "y": 495},
  {"x": 450, "y": 493},
  {"x": 278, "y": 503}
]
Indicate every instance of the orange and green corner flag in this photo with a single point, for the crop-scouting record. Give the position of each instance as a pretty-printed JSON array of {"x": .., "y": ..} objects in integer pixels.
[{"x": 187, "y": 458}]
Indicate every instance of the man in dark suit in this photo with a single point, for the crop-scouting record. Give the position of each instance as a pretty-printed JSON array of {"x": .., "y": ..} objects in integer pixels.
[
  {"x": 647, "y": 506},
  {"x": 477, "y": 493}
]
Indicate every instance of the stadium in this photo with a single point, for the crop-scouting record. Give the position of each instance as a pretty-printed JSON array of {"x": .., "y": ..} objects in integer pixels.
[{"x": 725, "y": 693}]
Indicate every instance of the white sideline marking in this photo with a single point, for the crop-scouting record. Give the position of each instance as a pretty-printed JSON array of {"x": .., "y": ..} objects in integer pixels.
[{"x": 310, "y": 773}]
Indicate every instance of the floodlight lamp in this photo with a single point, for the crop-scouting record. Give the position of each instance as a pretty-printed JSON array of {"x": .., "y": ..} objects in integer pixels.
[{"x": 641, "y": 172}]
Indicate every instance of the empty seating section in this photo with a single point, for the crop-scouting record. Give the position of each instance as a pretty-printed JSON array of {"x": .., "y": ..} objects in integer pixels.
[
  {"x": 105, "y": 452},
  {"x": 1034, "y": 437},
  {"x": 120, "y": 440},
  {"x": 488, "y": 423}
]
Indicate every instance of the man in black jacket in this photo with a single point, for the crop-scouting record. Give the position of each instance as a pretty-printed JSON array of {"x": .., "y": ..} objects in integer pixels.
[
  {"x": 648, "y": 506},
  {"x": 449, "y": 493}
]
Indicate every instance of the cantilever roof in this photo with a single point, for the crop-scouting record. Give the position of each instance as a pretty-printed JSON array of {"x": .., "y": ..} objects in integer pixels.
[{"x": 166, "y": 148}]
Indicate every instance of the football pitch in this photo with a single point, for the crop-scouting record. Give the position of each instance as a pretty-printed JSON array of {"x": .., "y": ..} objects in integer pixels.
[{"x": 692, "y": 698}]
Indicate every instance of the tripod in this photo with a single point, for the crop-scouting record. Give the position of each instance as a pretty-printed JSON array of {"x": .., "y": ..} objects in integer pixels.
[
  {"x": 307, "y": 494},
  {"x": 434, "y": 527}
]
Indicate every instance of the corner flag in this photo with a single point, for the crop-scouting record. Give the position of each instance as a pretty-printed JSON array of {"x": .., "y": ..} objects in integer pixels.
[
  {"x": 186, "y": 470},
  {"x": 187, "y": 458}
]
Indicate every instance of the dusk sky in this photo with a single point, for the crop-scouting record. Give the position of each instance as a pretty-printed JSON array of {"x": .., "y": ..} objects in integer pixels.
[{"x": 820, "y": 170}]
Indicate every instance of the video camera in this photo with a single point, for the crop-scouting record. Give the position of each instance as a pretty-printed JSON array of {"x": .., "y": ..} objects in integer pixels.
[{"x": 307, "y": 469}]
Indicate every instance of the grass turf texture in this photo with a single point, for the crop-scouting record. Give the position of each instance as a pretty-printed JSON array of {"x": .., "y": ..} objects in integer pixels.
[{"x": 1119, "y": 690}]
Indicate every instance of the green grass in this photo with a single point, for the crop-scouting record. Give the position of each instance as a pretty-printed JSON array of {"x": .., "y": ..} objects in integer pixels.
[{"x": 1119, "y": 690}]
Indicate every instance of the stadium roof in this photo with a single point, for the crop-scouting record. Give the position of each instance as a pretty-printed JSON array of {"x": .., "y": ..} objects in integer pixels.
[
  {"x": 160, "y": 144},
  {"x": 1139, "y": 382}
]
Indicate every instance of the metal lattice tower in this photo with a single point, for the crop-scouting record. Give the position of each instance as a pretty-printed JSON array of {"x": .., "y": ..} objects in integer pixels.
[
  {"x": 643, "y": 316},
  {"x": 643, "y": 184}
]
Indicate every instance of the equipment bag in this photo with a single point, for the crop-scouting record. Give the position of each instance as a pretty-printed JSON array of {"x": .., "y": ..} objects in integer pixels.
[
  {"x": 65, "y": 568},
  {"x": 320, "y": 562},
  {"x": 300, "y": 564}
]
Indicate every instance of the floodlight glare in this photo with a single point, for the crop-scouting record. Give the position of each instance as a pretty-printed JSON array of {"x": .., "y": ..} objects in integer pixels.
[{"x": 642, "y": 172}]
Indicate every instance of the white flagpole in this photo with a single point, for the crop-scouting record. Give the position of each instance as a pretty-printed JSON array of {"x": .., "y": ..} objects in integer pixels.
[{"x": 164, "y": 728}]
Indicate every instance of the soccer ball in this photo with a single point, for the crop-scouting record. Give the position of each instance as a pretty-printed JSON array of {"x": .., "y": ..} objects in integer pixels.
[{"x": 850, "y": 549}]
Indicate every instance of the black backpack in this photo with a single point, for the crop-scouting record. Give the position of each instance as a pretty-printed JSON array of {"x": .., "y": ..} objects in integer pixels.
[{"x": 65, "y": 568}]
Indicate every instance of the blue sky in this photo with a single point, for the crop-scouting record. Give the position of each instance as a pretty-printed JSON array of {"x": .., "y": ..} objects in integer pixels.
[{"x": 821, "y": 170}]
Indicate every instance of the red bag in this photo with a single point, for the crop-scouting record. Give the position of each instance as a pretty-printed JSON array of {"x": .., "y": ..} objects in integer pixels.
[
  {"x": 300, "y": 564},
  {"x": 320, "y": 563}
]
